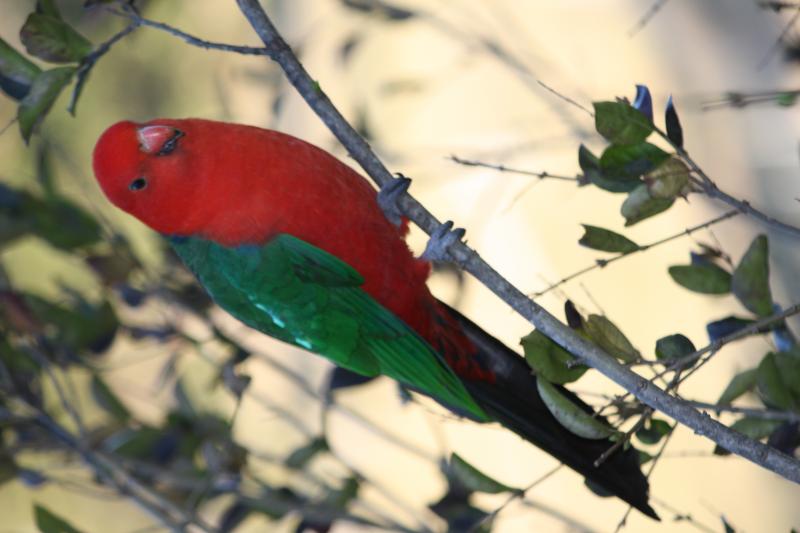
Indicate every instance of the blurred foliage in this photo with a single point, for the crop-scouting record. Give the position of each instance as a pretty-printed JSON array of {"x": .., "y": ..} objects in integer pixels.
[{"x": 191, "y": 457}]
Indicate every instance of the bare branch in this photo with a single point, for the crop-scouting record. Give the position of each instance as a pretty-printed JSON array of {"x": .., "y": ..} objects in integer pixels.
[
  {"x": 88, "y": 62},
  {"x": 752, "y": 329},
  {"x": 602, "y": 263},
  {"x": 191, "y": 39},
  {"x": 518, "y": 494},
  {"x": 710, "y": 188},
  {"x": 647, "y": 17},
  {"x": 503, "y": 168},
  {"x": 766, "y": 414}
]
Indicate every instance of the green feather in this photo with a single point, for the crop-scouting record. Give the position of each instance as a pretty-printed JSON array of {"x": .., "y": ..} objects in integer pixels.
[{"x": 300, "y": 294}]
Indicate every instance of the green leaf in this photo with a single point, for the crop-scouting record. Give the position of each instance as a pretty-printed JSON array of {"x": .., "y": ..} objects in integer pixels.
[
  {"x": 606, "y": 240},
  {"x": 789, "y": 367},
  {"x": 473, "y": 479},
  {"x": 706, "y": 278},
  {"x": 620, "y": 123},
  {"x": 47, "y": 522},
  {"x": 45, "y": 175},
  {"x": 629, "y": 162},
  {"x": 669, "y": 180},
  {"x": 756, "y": 428},
  {"x": 65, "y": 225},
  {"x": 673, "y": 124},
  {"x": 570, "y": 415},
  {"x": 8, "y": 468},
  {"x": 750, "y": 281},
  {"x": 590, "y": 165},
  {"x": 639, "y": 205},
  {"x": 84, "y": 327},
  {"x": 609, "y": 337},
  {"x": 587, "y": 160},
  {"x": 339, "y": 498},
  {"x": 674, "y": 346},
  {"x": 53, "y": 40},
  {"x": 15, "y": 209},
  {"x": 92, "y": 3},
  {"x": 48, "y": 7},
  {"x": 114, "y": 267},
  {"x": 741, "y": 383},
  {"x": 300, "y": 457},
  {"x": 44, "y": 91},
  {"x": 58, "y": 221},
  {"x": 653, "y": 431},
  {"x": 19, "y": 363},
  {"x": 549, "y": 360},
  {"x": 135, "y": 443},
  {"x": 106, "y": 399},
  {"x": 773, "y": 385},
  {"x": 593, "y": 172},
  {"x": 16, "y": 72},
  {"x": 727, "y": 527},
  {"x": 786, "y": 99}
]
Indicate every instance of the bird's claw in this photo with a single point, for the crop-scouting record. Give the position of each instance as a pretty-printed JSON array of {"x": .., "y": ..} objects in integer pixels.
[
  {"x": 388, "y": 198},
  {"x": 438, "y": 248}
]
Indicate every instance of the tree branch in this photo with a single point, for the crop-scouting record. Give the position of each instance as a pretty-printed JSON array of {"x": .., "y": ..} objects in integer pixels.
[
  {"x": 766, "y": 414},
  {"x": 88, "y": 62},
  {"x": 138, "y": 20},
  {"x": 524, "y": 172},
  {"x": 710, "y": 188},
  {"x": 469, "y": 260},
  {"x": 602, "y": 263}
]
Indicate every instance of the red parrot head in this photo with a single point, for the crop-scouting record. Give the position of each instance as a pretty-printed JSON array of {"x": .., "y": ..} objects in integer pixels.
[
  {"x": 145, "y": 169},
  {"x": 232, "y": 183}
]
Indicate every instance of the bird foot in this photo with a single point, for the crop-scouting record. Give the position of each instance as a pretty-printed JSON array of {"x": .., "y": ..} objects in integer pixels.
[
  {"x": 438, "y": 248},
  {"x": 390, "y": 194}
]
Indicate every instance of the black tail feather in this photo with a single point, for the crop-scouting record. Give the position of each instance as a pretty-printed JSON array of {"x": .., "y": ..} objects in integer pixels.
[{"x": 514, "y": 401}]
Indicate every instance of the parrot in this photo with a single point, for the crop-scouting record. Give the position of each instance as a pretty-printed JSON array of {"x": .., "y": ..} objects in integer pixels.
[{"x": 296, "y": 244}]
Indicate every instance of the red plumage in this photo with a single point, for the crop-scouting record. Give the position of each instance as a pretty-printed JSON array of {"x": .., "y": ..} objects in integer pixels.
[{"x": 237, "y": 184}]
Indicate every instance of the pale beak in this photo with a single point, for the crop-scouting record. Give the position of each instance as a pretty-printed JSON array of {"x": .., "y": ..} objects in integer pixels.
[{"x": 152, "y": 139}]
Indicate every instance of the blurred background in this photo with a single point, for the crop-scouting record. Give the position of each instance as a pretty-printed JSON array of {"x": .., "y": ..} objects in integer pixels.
[{"x": 200, "y": 407}]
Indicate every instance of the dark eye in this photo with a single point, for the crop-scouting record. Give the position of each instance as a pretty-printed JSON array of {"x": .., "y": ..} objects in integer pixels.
[
  {"x": 138, "y": 184},
  {"x": 171, "y": 143}
]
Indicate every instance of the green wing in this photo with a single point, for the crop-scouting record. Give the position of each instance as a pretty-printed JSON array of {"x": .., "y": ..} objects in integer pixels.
[{"x": 298, "y": 293}]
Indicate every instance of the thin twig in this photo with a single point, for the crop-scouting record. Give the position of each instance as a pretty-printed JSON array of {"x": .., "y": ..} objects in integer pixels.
[
  {"x": 190, "y": 39},
  {"x": 711, "y": 349},
  {"x": 739, "y": 99},
  {"x": 648, "y": 412},
  {"x": 40, "y": 359},
  {"x": 647, "y": 17},
  {"x": 602, "y": 263},
  {"x": 702, "y": 424},
  {"x": 777, "y": 44},
  {"x": 503, "y": 168},
  {"x": 646, "y": 415},
  {"x": 752, "y": 329},
  {"x": 653, "y": 463},
  {"x": 88, "y": 62},
  {"x": 516, "y": 494},
  {"x": 710, "y": 188},
  {"x": 566, "y": 98},
  {"x": 766, "y": 414}
]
